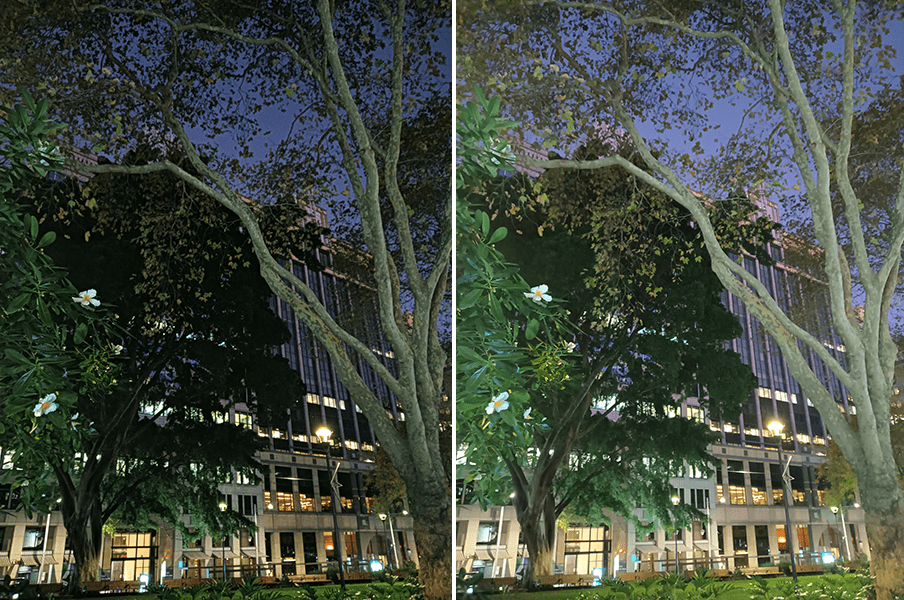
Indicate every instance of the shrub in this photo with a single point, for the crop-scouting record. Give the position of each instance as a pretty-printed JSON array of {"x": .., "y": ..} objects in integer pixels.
[{"x": 785, "y": 567}]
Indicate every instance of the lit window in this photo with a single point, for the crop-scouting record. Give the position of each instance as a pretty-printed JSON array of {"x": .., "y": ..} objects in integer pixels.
[
  {"x": 285, "y": 502},
  {"x": 243, "y": 420}
]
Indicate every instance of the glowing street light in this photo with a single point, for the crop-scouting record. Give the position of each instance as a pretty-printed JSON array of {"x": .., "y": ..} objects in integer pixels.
[
  {"x": 324, "y": 433},
  {"x": 675, "y": 503},
  {"x": 776, "y": 428},
  {"x": 223, "y": 547}
]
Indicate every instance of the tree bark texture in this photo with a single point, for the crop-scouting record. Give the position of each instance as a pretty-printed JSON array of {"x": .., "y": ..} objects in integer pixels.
[
  {"x": 85, "y": 533},
  {"x": 539, "y": 536},
  {"x": 431, "y": 510},
  {"x": 884, "y": 511}
]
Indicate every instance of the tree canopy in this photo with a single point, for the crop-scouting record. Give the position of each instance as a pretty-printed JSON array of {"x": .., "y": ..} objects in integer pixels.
[
  {"x": 792, "y": 81},
  {"x": 198, "y": 338},
  {"x": 282, "y": 99},
  {"x": 647, "y": 332}
]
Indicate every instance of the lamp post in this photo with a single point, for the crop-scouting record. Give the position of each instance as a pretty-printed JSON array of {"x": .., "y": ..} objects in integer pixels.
[
  {"x": 257, "y": 539},
  {"x": 223, "y": 547},
  {"x": 395, "y": 551},
  {"x": 324, "y": 434},
  {"x": 675, "y": 503},
  {"x": 776, "y": 428},
  {"x": 835, "y": 511}
]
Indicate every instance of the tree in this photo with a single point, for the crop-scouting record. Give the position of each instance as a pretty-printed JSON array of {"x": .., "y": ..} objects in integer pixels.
[
  {"x": 646, "y": 317},
  {"x": 190, "y": 351},
  {"x": 840, "y": 477},
  {"x": 778, "y": 65},
  {"x": 51, "y": 346},
  {"x": 224, "y": 70}
]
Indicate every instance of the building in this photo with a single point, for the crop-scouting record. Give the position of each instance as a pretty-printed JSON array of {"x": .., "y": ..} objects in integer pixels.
[
  {"x": 744, "y": 500},
  {"x": 291, "y": 506}
]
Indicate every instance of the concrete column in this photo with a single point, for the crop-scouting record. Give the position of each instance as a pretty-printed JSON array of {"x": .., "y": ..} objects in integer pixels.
[{"x": 752, "y": 560}]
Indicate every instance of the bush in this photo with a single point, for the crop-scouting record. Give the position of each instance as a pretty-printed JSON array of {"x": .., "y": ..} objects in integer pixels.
[
  {"x": 785, "y": 567},
  {"x": 332, "y": 573}
]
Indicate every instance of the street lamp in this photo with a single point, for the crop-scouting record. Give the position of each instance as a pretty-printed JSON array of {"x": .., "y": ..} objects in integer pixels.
[
  {"x": 324, "y": 434},
  {"x": 675, "y": 503},
  {"x": 776, "y": 428},
  {"x": 223, "y": 547},
  {"x": 847, "y": 546},
  {"x": 395, "y": 552}
]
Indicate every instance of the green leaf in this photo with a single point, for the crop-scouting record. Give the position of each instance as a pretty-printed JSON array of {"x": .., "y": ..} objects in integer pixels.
[
  {"x": 14, "y": 355},
  {"x": 484, "y": 223},
  {"x": 81, "y": 332},
  {"x": 33, "y": 226},
  {"x": 18, "y": 303},
  {"x": 47, "y": 239},
  {"x": 533, "y": 326},
  {"x": 498, "y": 235}
]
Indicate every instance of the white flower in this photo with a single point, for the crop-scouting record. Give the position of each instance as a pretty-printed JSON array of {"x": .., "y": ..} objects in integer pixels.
[
  {"x": 498, "y": 403},
  {"x": 46, "y": 405},
  {"x": 87, "y": 297},
  {"x": 527, "y": 414},
  {"x": 570, "y": 346},
  {"x": 538, "y": 293},
  {"x": 117, "y": 349}
]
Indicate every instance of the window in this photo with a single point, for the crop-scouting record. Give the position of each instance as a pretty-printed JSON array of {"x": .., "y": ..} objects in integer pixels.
[
  {"x": 285, "y": 499},
  {"x": 33, "y": 538},
  {"x": 246, "y": 505},
  {"x": 306, "y": 490},
  {"x": 131, "y": 556},
  {"x": 737, "y": 493},
  {"x": 758, "y": 483},
  {"x": 775, "y": 473},
  {"x": 486, "y": 532},
  {"x": 586, "y": 548},
  {"x": 781, "y": 538},
  {"x": 243, "y": 420}
]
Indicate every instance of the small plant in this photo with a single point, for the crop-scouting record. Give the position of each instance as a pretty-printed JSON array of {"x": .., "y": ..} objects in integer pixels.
[
  {"x": 467, "y": 586},
  {"x": 306, "y": 592},
  {"x": 760, "y": 588},
  {"x": 250, "y": 586},
  {"x": 410, "y": 567},
  {"x": 785, "y": 567},
  {"x": 219, "y": 589},
  {"x": 12, "y": 588},
  {"x": 702, "y": 576},
  {"x": 672, "y": 580},
  {"x": 332, "y": 573}
]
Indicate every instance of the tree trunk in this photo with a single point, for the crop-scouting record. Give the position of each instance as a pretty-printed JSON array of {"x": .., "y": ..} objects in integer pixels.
[
  {"x": 431, "y": 510},
  {"x": 539, "y": 535},
  {"x": 885, "y": 529},
  {"x": 85, "y": 538},
  {"x": 541, "y": 559}
]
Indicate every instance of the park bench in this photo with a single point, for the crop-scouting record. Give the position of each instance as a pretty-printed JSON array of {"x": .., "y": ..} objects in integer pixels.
[
  {"x": 809, "y": 568},
  {"x": 115, "y": 587},
  {"x": 761, "y": 571},
  {"x": 570, "y": 580},
  {"x": 500, "y": 582},
  {"x": 312, "y": 578},
  {"x": 47, "y": 589},
  {"x": 638, "y": 575},
  {"x": 180, "y": 583}
]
